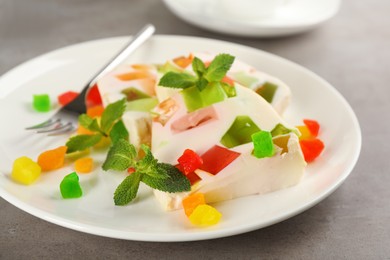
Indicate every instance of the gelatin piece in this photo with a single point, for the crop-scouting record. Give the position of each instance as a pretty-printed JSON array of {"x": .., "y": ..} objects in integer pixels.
[
  {"x": 305, "y": 133},
  {"x": 139, "y": 74},
  {"x": 217, "y": 158},
  {"x": 145, "y": 104},
  {"x": 194, "y": 119},
  {"x": 282, "y": 142},
  {"x": 192, "y": 176},
  {"x": 169, "y": 67},
  {"x": 183, "y": 62},
  {"x": 134, "y": 94},
  {"x": 230, "y": 91},
  {"x": 95, "y": 111},
  {"x": 311, "y": 149},
  {"x": 52, "y": 159},
  {"x": 205, "y": 215},
  {"x": 165, "y": 110},
  {"x": 83, "y": 165},
  {"x": 192, "y": 201},
  {"x": 189, "y": 161},
  {"x": 192, "y": 99},
  {"x": 280, "y": 129},
  {"x": 25, "y": 170},
  {"x": 263, "y": 145},
  {"x": 213, "y": 93},
  {"x": 267, "y": 91},
  {"x": 239, "y": 132},
  {"x": 67, "y": 97},
  {"x": 93, "y": 97},
  {"x": 313, "y": 126},
  {"x": 41, "y": 103},
  {"x": 70, "y": 186}
]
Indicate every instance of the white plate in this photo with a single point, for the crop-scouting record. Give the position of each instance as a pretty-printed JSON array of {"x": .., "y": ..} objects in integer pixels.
[
  {"x": 70, "y": 67},
  {"x": 295, "y": 16}
]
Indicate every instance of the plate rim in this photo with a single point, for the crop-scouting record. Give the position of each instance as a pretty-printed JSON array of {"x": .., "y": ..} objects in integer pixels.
[{"x": 176, "y": 237}]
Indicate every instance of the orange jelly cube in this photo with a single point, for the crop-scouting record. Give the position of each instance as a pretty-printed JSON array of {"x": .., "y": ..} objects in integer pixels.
[
  {"x": 192, "y": 201},
  {"x": 52, "y": 159},
  {"x": 95, "y": 111},
  {"x": 83, "y": 165},
  {"x": 305, "y": 133}
]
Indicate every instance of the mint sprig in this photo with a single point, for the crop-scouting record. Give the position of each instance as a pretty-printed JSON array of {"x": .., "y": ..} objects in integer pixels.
[
  {"x": 110, "y": 125},
  {"x": 161, "y": 176},
  {"x": 215, "y": 72}
]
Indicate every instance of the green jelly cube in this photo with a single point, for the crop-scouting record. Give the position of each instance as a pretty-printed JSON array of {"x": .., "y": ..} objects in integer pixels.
[
  {"x": 230, "y": 91},
  {"x": 41, "y": 103},
  {"x": 168, "y": 67},
  {"x": 145, "y": 104},
  {"x": 192, "y": 98},
  {"x": 239, "y": 132},
  {"x": 267, "y": 91},
  {"x": 280, "y": 129},
  {"x": 245, "y": 79},
  {"x": 134, "y": 94},
  {"x": 70, "y": 186},
  {"x": 263, "y": 145},
  {"x": 213, "y": 93}
]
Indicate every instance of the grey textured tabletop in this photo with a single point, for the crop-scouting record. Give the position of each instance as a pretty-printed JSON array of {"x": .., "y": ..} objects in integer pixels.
[{"x": 351, "y": 51}]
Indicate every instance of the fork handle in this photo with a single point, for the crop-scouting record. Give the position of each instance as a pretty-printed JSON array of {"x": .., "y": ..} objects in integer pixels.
[{"x": 78, "y": 105}]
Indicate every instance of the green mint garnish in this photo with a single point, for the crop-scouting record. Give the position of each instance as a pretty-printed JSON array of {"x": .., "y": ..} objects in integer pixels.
[
  {"x": 109, "y": 126},
  {"x": 177, "y": 80},
  {"x": 82, "y": 142},
  {"x": 161, "y": 176},
  {"x": 215, "y": 72},
  {"x": 118, "y": 131},
  {"x": 219, "y": 67}
]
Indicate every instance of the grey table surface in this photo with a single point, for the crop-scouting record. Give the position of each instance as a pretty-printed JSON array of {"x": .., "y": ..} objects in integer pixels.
[{"x": 351, "y": 51}]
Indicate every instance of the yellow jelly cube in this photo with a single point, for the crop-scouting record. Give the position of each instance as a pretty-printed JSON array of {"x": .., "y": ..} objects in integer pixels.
[
  {"x": 305, "y": 132},
  {"x": 83, "y": 165},
  {"x": 25, "y": 170},
  {"x": 205, "y": 215}
]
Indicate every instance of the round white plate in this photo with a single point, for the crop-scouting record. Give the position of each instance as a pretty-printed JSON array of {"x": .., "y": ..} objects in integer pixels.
[
  {"x": 95, "y": 213},
  {"x": 295, "y": 16}
]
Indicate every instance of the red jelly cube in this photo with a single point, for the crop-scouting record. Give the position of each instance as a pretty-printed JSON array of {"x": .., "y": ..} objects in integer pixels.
[
  {"x": 313, "y": 126},
  {"x": 217, "y": 158},
  {"x": 93, "y": 97},
  {"x": 67, "y": 97},
  {"x": 311, "y": 149},
  {"x": 189, "y": 161},
  {"x": 192, "y": 176}
]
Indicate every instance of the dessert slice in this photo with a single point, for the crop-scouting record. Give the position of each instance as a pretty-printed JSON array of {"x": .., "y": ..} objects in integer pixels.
[{"x": 228, "y": 133}]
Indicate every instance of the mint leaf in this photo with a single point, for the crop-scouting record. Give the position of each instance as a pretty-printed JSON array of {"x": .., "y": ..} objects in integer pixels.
[
  {"x": 219, "y": 67},
  {"x": 127, "y": 190},
  {"x": 198, "y": 67},
  {"x": 111, "y": 114},
  {"x": 148, "y": 165},
  {"x": 120, "y": 157},
  {"x": 118, "y": 131},
  {"x": 177, "y": 80},
  {"x": 201, "y": 84},
  {"x": 176, "y": 182},
  {"x": 89, "y": 123},
  {"x": 82, "y": 142}
]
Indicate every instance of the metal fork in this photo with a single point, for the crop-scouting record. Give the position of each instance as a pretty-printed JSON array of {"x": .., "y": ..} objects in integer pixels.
[{"x": 65, "y": 120}]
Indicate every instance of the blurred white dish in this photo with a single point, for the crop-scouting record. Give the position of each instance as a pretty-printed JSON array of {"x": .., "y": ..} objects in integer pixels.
[{"x": 294, "y": 16}]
